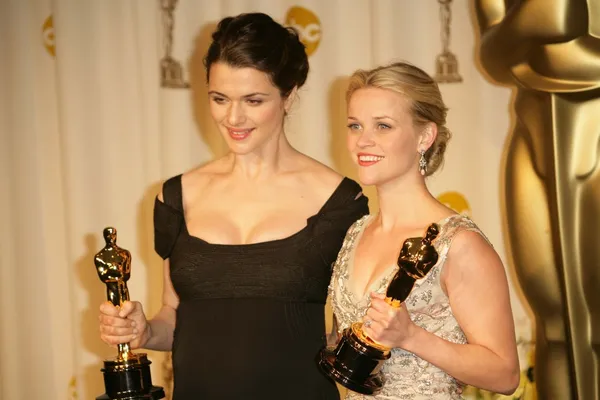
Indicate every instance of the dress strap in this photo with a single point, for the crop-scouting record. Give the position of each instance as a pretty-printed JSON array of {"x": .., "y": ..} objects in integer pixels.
[
  {"x": 172, "y": 193},
  {"x": 168, "y": 217},
  {"x": 453, "y": 226}
]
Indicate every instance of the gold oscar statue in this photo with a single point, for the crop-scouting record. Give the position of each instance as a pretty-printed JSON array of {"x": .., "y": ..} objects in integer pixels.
[
  {"x": 128, "y": 375},
  {"x": 549, "y": 51}
]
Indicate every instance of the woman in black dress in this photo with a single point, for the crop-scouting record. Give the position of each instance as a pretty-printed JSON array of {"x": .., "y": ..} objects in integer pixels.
[{"x": 248, "y": 239}]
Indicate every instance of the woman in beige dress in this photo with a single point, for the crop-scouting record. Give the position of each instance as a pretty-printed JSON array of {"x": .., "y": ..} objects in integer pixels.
[{"x": 456, "y": 327}]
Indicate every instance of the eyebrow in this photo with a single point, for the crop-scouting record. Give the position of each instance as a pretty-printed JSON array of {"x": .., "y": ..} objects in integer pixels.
[
  {"x": 383, "y": 117},
  {"x": 375, "y": 118},
  {"x": 244, "y": 96}
]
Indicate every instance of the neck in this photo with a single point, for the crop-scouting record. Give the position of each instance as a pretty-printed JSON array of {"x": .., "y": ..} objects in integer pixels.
[
  {"x": 264, "y": 162},
  {"x": 405, "y": 202}
]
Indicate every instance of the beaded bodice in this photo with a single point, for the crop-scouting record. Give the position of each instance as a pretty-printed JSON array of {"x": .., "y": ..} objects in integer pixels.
[{"x": 406, "y": 375}]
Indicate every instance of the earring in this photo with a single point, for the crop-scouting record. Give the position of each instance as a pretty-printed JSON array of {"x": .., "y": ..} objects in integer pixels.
[{"x": 422, "y": 163}]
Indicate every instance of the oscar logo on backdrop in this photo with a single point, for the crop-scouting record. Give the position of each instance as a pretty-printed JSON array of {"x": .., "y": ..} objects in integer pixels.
[
  {"x": 549, "y": 51},
  {"x": 455, "y": 201},
  {"x": 307, "y": 25},
  {"x": 171, "y": 70},
  {"x": 48, "y": 35}
]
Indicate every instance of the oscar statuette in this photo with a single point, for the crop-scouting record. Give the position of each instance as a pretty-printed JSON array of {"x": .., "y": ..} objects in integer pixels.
[
  {"x": 446, "y": 63},
  {"x": 126, "y": 377},
  {"x": 356, "y": 361},
  {"x": 548, "y": 52}
]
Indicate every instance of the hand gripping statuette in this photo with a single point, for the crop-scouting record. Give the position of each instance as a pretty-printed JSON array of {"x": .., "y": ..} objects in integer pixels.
[
  {"x": 126, "y": 377},
  {"x": 357, "y": 359}
]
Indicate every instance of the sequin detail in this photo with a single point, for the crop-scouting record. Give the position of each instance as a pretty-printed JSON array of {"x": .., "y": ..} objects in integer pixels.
[{"x": 406, "y": 375}]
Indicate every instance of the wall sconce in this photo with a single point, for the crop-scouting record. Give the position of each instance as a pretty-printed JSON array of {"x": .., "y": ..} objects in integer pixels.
[
  {"x": 171, "y": 70},
  {"x": 446, "y": 63}
]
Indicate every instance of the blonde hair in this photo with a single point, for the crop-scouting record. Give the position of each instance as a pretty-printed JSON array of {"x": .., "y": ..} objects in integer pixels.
[{"x": 423, "y": 92}]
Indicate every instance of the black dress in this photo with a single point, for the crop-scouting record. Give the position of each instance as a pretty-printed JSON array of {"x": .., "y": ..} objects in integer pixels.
[{"x": 251, "y": 317}]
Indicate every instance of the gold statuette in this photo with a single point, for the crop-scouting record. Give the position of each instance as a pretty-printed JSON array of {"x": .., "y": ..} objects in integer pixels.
[
  {"x": 549, "y": 51},
  {"x": 128, "y": 375},
  {"x": 114, "y": 269}
]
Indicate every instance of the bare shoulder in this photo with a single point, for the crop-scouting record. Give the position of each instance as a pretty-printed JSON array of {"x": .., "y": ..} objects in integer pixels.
[
  {"x": 322, "y": 179},
  {"x": 198, "y": 178},
  {"x": 471, "y": 255},
  {"x": 469, "y": 242},
  {"x": 210, "y": 168}
]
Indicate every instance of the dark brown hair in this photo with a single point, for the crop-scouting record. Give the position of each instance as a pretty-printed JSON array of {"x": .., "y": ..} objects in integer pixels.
[{"x": 255, "y": 40}]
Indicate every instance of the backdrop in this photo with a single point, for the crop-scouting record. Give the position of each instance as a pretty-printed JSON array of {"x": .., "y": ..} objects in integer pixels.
[{"x": 101, "y": 100}]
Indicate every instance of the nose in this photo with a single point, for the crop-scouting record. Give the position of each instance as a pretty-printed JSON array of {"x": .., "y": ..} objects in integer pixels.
[
  {"x": 235, "y": 114},
  {"x": 365, "y": 139}
]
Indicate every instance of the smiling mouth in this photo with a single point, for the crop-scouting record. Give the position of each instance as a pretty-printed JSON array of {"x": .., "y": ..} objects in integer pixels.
[
  {"x": 239, "y": 134},
  {"x": 365, "y": 160}
]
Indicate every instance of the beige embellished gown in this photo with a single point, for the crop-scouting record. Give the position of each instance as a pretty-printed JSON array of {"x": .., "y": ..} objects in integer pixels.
[{"x": 406, "y": 375}]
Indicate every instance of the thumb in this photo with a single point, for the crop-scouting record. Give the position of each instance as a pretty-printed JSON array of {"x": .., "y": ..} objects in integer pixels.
[{"x": 127, "y": 308}]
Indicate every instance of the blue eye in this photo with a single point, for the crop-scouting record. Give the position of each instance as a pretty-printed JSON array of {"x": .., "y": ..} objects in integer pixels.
[
  {"x": 383, "y": 126},
  {"x": 353, "y": 127}
]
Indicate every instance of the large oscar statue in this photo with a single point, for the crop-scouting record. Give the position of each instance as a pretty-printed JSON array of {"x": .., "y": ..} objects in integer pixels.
[
  {"x": 357, "y": 359},
  {"x": 126, "y": 377},
  {"x": 549, "y": 50}
]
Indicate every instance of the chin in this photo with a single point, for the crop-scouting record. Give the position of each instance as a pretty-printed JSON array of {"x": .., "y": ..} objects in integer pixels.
[
  {"x": 240, "y": 148},
  {"x": 241, "y": 151},
  {"x": 368, "y": 179},
  {"x": 378, "y": 180}
]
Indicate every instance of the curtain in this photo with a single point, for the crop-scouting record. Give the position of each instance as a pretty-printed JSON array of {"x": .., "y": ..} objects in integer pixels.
[{"x": 101, "y": 100}]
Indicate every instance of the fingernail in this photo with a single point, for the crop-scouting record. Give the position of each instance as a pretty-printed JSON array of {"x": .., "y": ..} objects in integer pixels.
[{"x": 135, "y": 330}]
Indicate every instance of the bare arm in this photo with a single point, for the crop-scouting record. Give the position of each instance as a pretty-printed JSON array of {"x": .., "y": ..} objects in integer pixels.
[
  {"x": 332, "y": 337},
  {"x": 478, "y": 291},
  {"x": 160, "y": 328}
]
